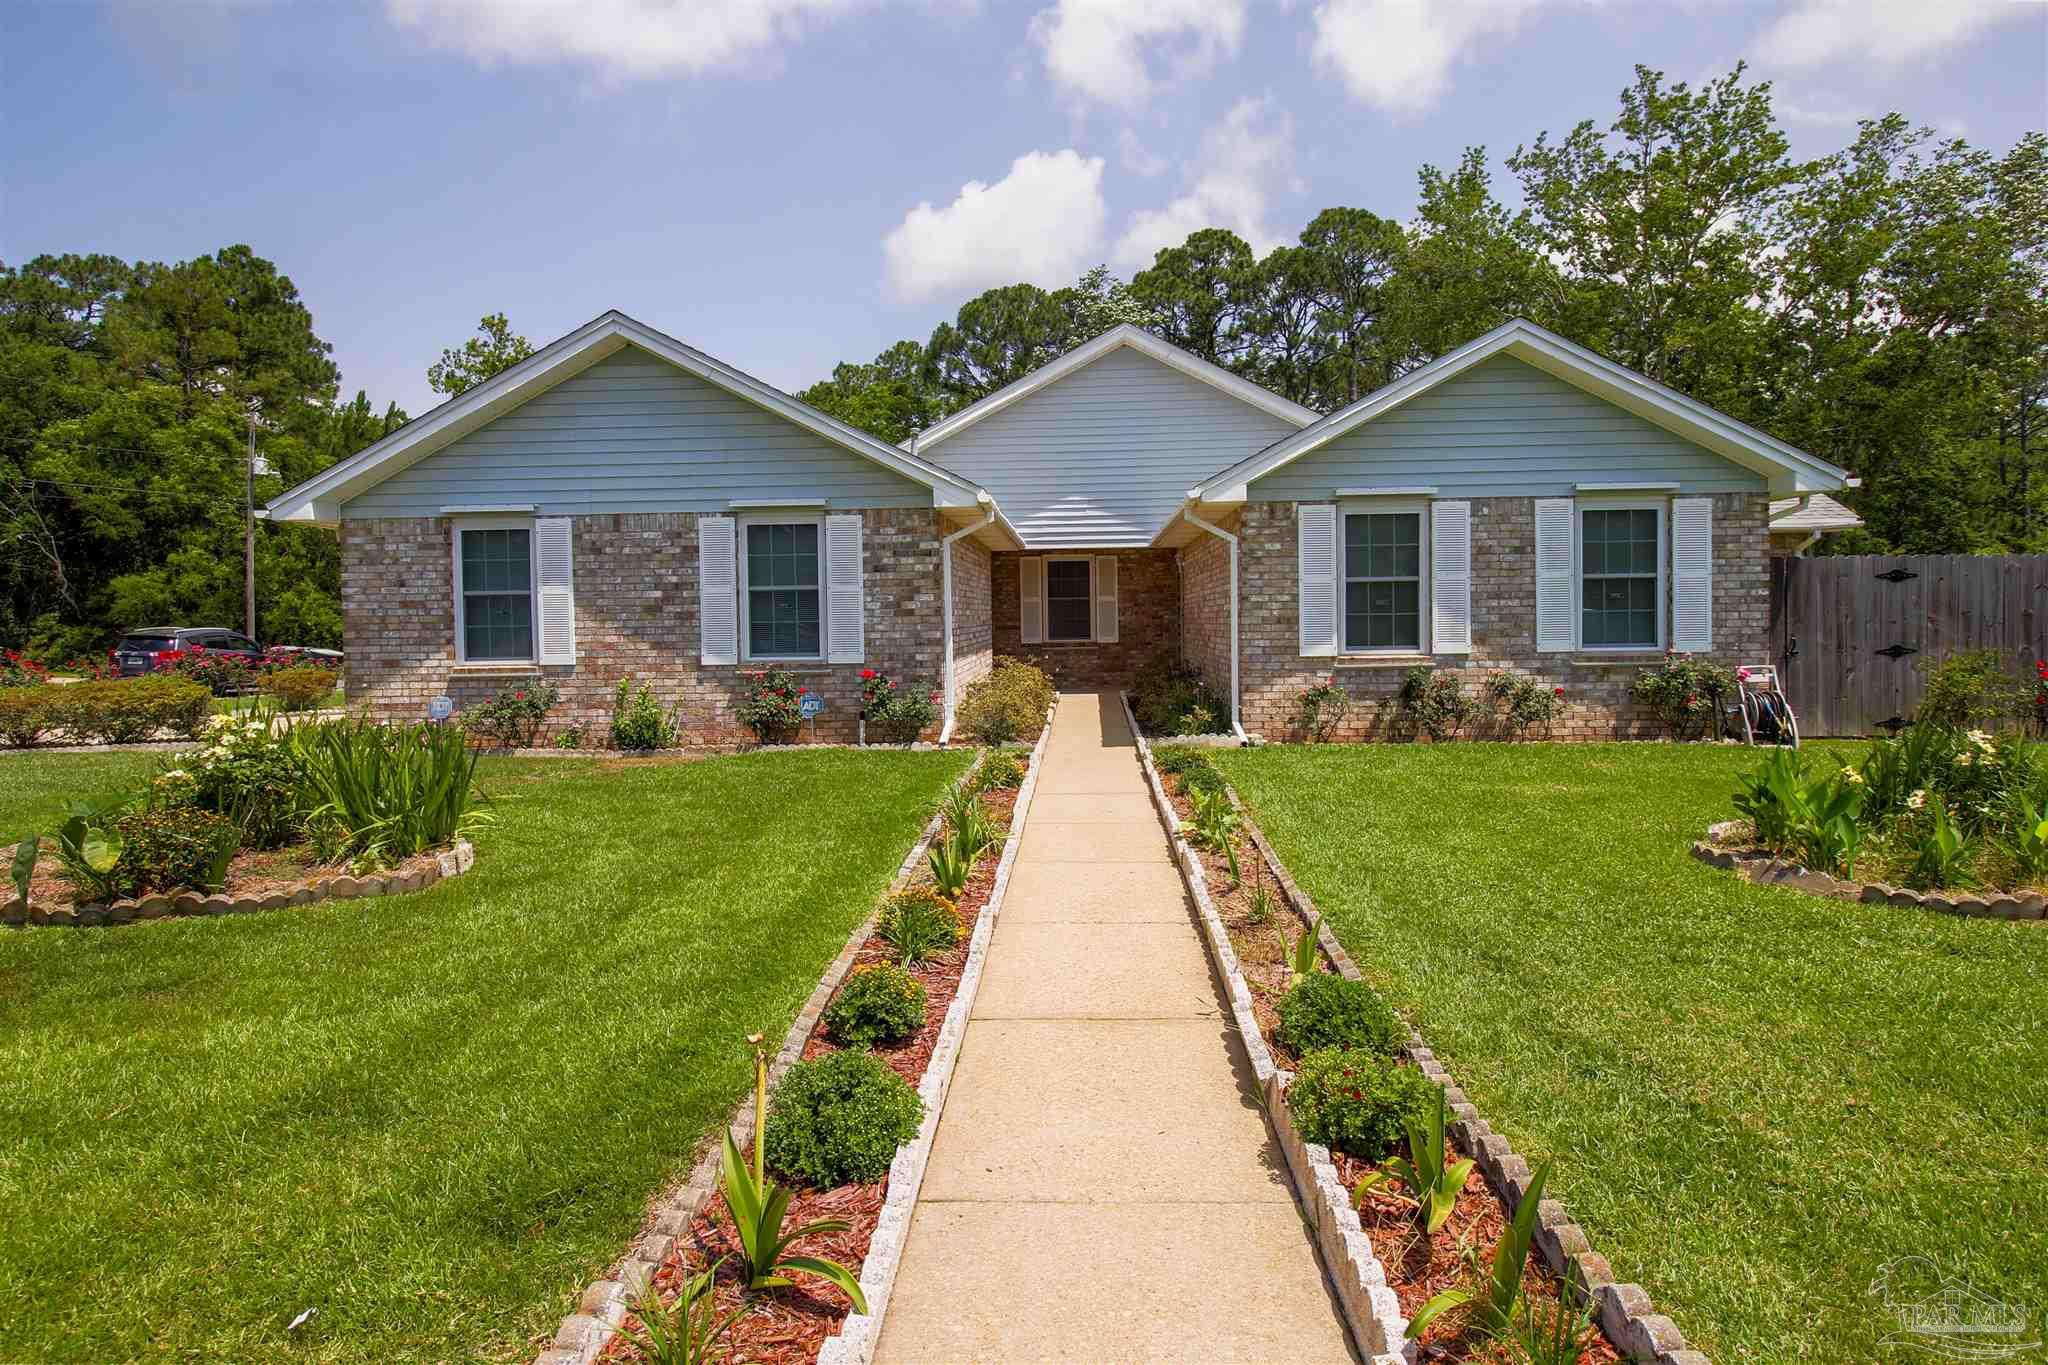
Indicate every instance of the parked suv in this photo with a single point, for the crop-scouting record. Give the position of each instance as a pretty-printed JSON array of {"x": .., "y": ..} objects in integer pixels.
[{"x": 139, "y": 650}]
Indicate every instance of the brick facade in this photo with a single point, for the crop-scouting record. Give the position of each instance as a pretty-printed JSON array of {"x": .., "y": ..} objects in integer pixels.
[
  {"x": 1205, "y": 606},
  {"x": 1148, "y": 621},
  {"x": 1598, "y": 704},
  {"x": 636, "y": 615},
  {"x": 973, "y": 624}
]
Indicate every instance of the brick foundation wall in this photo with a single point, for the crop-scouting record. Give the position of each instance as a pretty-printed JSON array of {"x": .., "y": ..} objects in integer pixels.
[
  {"x": 1205, "y": 606},
  {"x": 973, "y": 621},
  {"x": 1148, "y": 621},
  {"x": 636, "y": 614},
  {"x": 1597, "y": 701}
]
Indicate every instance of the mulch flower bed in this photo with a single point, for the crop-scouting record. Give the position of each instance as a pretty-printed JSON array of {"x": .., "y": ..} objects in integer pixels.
[
  {"x": 1418, "y": 1266},
  {"x": 788, "y": 1326}
]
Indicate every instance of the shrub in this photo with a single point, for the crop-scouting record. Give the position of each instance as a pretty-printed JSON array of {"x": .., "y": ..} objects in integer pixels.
[
  {"x": 1687, "y": 694},
  {"x": 1522, "y": 702},
  {"x": 89, "y": 847},
  {"x": 1321, "y": 708},
  {"x": 255, "y": 778},
  {"x": 918, "y": 923},
  {"x": 882, "y": 1004},
  {"x": 895, "y": 715},
  {"x": 18, "y": 670},
  {"x": 638, "y": 722},
  {"x": 1009, "y": 704},
  {"x": 1179, "y": 759},
  {"x": 838, "y": 1120},
  {"x": 299, "y": 689},
  {"x": 1357, "y": 1103},
  {"x": 1170, "y": 698},
  {"x": 514, "y": 717},
  {"x": 122, "y": 711},
  {"x": 1206, "y": 780},
  {"x": 999, "y": 772},
  {"x": 24, "y": 715},
  {"x": 1327, "y": 1011},
  {"x": 772, "y": 705},
  {"x": 1971, "y": 687},
  {"x": 1434, "y": 702},
  {"x": 174, "y": 848},
  {"x": 218, "y": 673},
  {"x": 395, "y": 790}
]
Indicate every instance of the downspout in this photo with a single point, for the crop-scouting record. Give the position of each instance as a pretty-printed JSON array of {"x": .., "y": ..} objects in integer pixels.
[
  {"x": 946, "y": 594},
  {"x": 1236, "y": 724}
]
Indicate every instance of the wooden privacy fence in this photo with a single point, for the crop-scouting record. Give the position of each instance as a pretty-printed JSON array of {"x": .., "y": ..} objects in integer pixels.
[{"x": 1854, "y": 634}]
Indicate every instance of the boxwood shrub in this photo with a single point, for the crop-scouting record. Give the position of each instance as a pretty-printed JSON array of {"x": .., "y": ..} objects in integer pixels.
[
  {"x": 882, "y": 1004},
  {"x": 838, "y": 1120},
  {"x": 1008, "y": 704},
  {"x": 1327, "y": 1011},
  {"x": 110, "y": 711},
  {"x": 1355, "y": 1102}
]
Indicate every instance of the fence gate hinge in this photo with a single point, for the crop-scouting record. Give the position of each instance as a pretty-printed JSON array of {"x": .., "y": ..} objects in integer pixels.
[
  {"x": 1898, "y": 651},
  {"x": 1897, "y": 575}
]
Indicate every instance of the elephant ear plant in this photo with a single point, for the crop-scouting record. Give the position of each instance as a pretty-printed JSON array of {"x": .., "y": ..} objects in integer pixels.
[{"x": 758, "y": 1205}]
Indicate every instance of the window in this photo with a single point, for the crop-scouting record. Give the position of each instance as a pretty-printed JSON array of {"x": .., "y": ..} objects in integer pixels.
[
  {"x": 1069, "y": 599},
  {"x": 1383, "y": 581},
  {"x": 784, "y": 602},
  {"x": 1620, "y": 577},
  {"x": 495, "y": 592}
]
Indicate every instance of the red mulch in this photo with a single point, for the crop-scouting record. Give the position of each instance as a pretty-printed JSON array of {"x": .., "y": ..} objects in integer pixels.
[
  {"x": 789, "y": 1326},
  {"x": 1418, "y": 1267},
  {"x": 251, "y": 872}
]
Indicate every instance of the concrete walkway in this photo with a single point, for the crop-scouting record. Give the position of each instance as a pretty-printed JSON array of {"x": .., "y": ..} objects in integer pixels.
[{"x": 1103, "y": 1186}]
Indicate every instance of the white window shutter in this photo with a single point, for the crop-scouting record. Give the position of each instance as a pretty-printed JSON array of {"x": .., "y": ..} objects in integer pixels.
[
  {"x": 1105, "y": 599},
  {"x": 1450, "y": 577},
  {"x": 1316, "y": 570},
  {"x": 1692, "y": 574},
  {"x": 1556, "y": 589},
  {"x": 718, "y": 590},
  {"x": 555, "y": 581},
  {"x": 1031, "y": 600},
  {"x": 845, "y": 605}
]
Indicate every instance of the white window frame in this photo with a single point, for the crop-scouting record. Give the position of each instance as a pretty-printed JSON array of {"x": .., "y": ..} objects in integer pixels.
[
  {"x": 1089, "y": 638},
  {"x": 747, "y": 654},
  {"x": 1360, "y": 507},
  {"x": 1661, "y": 612},
  {"x": 464, "y": 524}
]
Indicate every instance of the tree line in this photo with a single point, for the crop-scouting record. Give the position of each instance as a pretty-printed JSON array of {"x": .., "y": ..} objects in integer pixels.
[{"x": 1884, "y": 307}]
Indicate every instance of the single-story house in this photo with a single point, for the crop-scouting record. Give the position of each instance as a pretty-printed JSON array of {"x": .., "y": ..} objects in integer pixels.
[{"x": 621, "y": 504}]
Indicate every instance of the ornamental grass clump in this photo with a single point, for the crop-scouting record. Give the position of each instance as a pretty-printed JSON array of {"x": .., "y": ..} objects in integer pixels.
[
  {"x": 881, "y": 1004},
  {"x": 393, "y": 790},
  {"x": 1322, "y": 1010},
  {"x": 918, "y": 924},
  {"x": 838, "y": 1120},
  {"x": 1356, "y": 1103}
]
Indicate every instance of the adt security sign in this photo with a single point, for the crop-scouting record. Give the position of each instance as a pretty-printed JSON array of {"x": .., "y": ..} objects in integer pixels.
[
  {"x": 809, "y": 705},
  {"x": 440, "y": 708}
]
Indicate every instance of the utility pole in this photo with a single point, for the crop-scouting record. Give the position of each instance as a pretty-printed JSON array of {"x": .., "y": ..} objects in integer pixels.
[{"x": 249, "y": 536}]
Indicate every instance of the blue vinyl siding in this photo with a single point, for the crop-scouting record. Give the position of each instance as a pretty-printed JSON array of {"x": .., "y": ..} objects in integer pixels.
[
  {"x": 1504, "y": 429},
  {"x": 1103, "y": 456},
  {"x": 635, "y": 434}
]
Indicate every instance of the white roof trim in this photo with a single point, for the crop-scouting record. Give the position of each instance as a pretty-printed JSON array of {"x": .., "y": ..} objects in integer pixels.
[
  {"x": 1138, "y": 339},
  {"x": 319, "y": 499},
  {"x": 1786, "y": 468}
]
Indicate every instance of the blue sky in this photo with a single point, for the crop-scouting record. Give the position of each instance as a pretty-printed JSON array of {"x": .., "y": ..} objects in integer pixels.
[{"x": 789, "y": 183}]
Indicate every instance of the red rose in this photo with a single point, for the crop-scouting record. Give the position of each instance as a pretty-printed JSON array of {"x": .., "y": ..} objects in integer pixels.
[
  {"x": 801, "y": 690},
  {"x": 867, "y": 673},
  {"x": 519, "y": 696},
  {"x": 1558, "y": 690}
]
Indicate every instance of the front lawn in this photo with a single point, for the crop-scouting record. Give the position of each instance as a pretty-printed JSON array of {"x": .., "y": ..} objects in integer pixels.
[
  {"x": 431, "y": 1117},
  {"x": 1756, "y": 1098},
  {"x": 34, "y": 786}
]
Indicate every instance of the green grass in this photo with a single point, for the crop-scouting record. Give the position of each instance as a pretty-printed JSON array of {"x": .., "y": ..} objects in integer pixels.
[
  {"x": 433, "y": 1117},
  {"x": 35, "y": 786},
  {"x": 1756, "y": 1098}
]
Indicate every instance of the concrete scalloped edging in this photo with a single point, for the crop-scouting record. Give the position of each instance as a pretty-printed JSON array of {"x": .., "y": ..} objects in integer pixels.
[
  {"x": 1625, "y": 1312},
  {"x": 854, "y": 1344},
  {"x": 450, "y": 862},
  {"x": 601, "y": 1309},
  {"x": 1370, "y": 1310},
  {"x": 1766, "y": 869}
]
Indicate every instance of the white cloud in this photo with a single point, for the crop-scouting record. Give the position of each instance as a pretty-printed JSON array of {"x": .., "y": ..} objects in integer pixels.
[
  {"x": 1398, "y": 54},
  {"x": 1888, "y": 32},
  {"x": 1240, "y": 160},
  {"x": 622, "y": 38},
  {"x": 1098, "y": 48},
  {"x": 1043, "y": 222}
]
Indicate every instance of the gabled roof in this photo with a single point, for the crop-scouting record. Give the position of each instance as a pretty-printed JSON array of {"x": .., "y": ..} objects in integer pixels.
[
  {"x": 319, "y": 498},
  {"x": 1138, "y": 339},
  {"x": 1785, "y": 468},
  {"x": 1818, "y": 512}
]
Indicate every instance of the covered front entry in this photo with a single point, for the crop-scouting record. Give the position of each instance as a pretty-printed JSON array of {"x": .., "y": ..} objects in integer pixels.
[{"x": 1089, "y": 618}]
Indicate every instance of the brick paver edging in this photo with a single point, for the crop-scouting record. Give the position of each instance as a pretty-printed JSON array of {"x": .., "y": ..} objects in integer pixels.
[
  {"x": 1371, "y": 1312},
  {"x": 449, "y": 862},
  {"x": 1626, "y": 1315},
  {"x": 859, "y": 1333},
  {"x": 1767, "y": 869},
  {"x": 583, "y": 1335}
]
